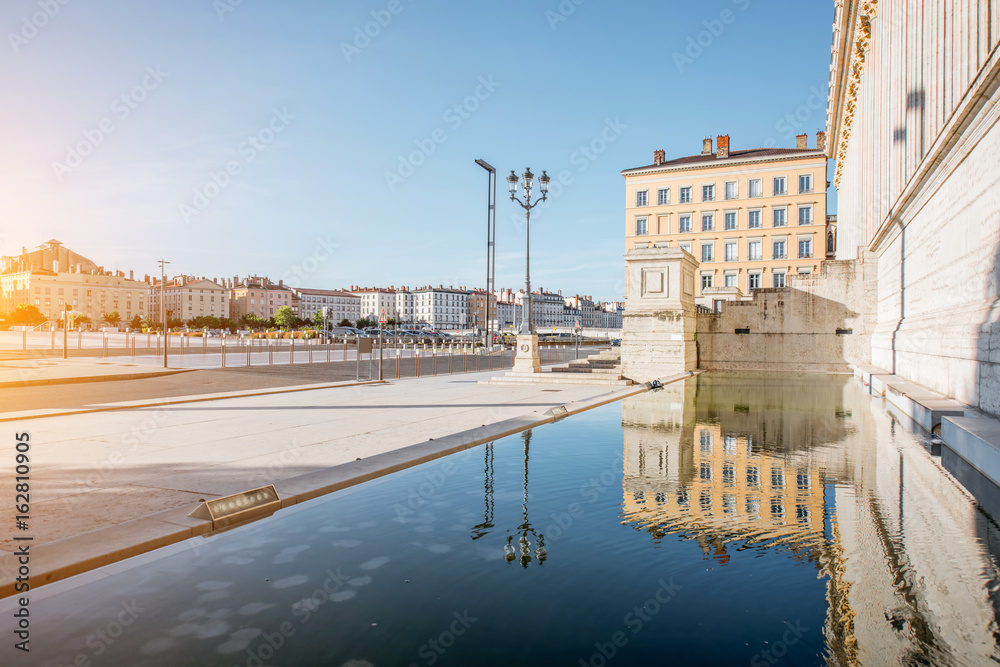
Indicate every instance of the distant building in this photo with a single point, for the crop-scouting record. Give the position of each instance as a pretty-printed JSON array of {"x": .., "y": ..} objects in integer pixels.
[
  {"x": 340, "y": 305},
  {"x": 257, "y": 295},
  {"x": 187, "y": 297},
  {"x": 611, "y": 314},
  {"x": 441, "y": 307},
  {"x": 376, "y": 299},
  {"x": 508, "y": 316},
  {"x": 479, "y": 300},
  {"x": 53, "y": 276}
]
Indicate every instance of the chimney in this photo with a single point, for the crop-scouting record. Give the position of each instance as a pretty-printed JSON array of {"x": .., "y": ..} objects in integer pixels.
[
  {"x": 659, "y": 157},
  {"x": 821, "y": 141},
  {"x": 722, "y": 146},
  {"x": 131, "y": 274},
  {"x": 802, "y": 142},
  {"x": 706, "y": 146}
]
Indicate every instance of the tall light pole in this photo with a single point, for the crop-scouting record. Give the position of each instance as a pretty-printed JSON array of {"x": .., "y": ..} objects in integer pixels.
[
  {"x": 491, "y": 241},
  {"x": 527, "y": 341},
  {"x": 163, "y": 306}
]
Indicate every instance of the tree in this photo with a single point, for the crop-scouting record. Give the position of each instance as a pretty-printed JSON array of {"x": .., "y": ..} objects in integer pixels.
[
  {"x": 345, "y": 323},
  {"x": 112, "y": 318},
  {"x": 285, "y": 318},
  {"x": 253, "y": 321},
  {"x": 26, "y": 314},
  {"x": 318, "y": 320},
  {"x": 364, "y": 322},
  {"x": 135, "y": 323},
  {"x": 391, "y": 322}
]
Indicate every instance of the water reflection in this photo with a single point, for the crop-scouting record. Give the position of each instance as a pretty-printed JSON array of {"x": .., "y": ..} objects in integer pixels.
[
  {"x": 518, "y": 546},
  {"x": 804, "y": 464}
]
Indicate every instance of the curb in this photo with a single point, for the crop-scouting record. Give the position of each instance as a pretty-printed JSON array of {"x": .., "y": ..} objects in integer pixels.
[{"x": 93, "y": 378}]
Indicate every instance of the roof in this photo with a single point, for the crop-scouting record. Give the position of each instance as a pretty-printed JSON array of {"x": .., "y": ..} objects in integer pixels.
[
  {"x": 748, "y": 154},
  {"x": 325, "y": 292}
]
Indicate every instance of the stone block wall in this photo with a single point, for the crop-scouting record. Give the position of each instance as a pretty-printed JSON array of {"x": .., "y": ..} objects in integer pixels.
[{"x": 819, "y": 322}]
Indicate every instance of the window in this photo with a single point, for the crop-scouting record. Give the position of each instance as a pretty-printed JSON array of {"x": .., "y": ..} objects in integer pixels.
[
  {"x": 685, "y": 223},
  {"x": 779, "y": 250},
  {"x": 708, "y": 193},
  {"x": 731, "y": 220},
  {"x": 780, "y": 187},
  {"x": 753, "y": 219},
  {"x": 641, "y": 226},
  {"x": 707, "y": 252},
  {"x": 731, "y": 190},
  {"x": 805, "y": 248},
  {"x": 754, "y": 188},
  {"x": 686, "y": 195},
  {"x": 732, "y": 252},
  {"x": 805, "y": 183},
  {"x": 707, "y": 222},
  {"x": 731, "y": 280},
  {"x": 779, "y": 217},
  {"x": 753, "y": 475},
  {"x": 685, "y": 246},
  {"x": 663, "y": 196},
  {"x": 640, "y": 197},
  {"x": 805, "y": 215},
  {"x": 706, "y": 281},
  {"x": 753, "y": 250},
  {"x": 705, "y": 442},
  {"x": 753, "y": 281}
]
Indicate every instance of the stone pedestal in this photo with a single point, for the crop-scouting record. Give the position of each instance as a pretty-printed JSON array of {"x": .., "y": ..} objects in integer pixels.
[
  {"x": 526, "y": 360},
  {"x": 660, "y": 321}
]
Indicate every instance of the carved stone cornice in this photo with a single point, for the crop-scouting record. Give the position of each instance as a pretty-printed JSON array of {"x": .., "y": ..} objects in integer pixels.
[{"x": 860, "y": 40}]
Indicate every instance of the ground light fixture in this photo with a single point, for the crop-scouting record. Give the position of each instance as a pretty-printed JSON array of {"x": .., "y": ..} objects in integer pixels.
[{"x": 239, "y": 508}]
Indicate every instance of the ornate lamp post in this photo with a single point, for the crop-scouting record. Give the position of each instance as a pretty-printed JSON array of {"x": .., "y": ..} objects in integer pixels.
[{"x": 527, "y": 360}]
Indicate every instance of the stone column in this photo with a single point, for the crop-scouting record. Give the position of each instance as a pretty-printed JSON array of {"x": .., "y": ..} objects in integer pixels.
[
  {"x": 526, "y": 362},
  {"x": 659, "y": 323}
]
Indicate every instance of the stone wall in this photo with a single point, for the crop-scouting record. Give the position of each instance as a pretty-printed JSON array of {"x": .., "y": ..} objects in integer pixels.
[
  {"x": 795, "y": 328},
  {"x": 914, "y": 112}
]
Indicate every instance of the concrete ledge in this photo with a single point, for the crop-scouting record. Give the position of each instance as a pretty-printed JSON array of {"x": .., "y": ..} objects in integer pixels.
[
  {"x": 6, "y": 384},
  {"x": 64, "y": 558},
  {"x": 917, "y": 402},
  {"x": 83, "y": 553},
  {"x": 977, "y": 440}
]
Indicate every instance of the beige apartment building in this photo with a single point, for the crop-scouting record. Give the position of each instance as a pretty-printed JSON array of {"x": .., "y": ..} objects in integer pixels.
[
  {"x": 52, "y": 277},
  {"x": 259, "y": 296},
  {"x": 750, "y": 217},
  {"x": 187, "y": 297}
]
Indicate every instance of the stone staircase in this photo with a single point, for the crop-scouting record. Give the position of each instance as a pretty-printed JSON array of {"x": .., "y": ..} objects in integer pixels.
[{"x": 602, "y": 368}]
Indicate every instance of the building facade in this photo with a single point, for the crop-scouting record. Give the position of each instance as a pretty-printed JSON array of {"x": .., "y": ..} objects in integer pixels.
[
  {"x": 374, "y": 300},
  {"x": 257, "y": 295},
  {"x": 441, "y": 307},
  {"x": 340, "y": 305},
  {"x": 912, "y": 122},
  {"x": 187, "y": 297},
  {"x": 479, "y": 301},
  {"x": 750, "y": 217},
  {"x": 52, "y": 277}
]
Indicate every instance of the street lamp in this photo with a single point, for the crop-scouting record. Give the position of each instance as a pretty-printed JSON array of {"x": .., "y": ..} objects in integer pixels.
[
  {"x": 491, "y": 242},
  {"x": 163, "y": 306},
  {"x": 527, "y": 181}
]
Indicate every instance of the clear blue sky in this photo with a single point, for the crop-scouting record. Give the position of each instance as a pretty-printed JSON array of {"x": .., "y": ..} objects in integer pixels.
[{"x": 116, "y": 113}]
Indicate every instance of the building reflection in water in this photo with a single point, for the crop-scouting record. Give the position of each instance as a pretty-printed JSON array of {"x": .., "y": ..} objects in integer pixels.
[{"x": 809, "y": 464}]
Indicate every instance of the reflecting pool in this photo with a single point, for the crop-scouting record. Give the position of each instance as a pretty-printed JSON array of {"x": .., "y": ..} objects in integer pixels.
[{"x": 727, "y": 519}]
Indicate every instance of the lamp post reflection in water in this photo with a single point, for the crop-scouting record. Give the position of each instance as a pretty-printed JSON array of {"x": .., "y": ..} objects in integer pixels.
[
  {"x": 483, "y": 528},
  {"x": 523, "y": 551}
]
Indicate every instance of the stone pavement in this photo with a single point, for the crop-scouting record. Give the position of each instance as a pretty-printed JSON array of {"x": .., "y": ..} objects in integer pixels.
[{"x": 118, "y": 481}]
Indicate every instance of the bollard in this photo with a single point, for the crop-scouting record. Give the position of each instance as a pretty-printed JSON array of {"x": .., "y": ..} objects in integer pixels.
[
  {"x": 248, "y": 354},
  {"x": 291, "y": 350},
  {"x": 434, "y": 360},
  {"x": 24, "y": 339},
  {"x": 223, "y": 350},
  {"x": 270, "y": 352},
  {"x": 416, "y": 359},
  {"x": 105, "y": 344},
  {"x": 398, "y": 351},
  {"x": 79, "y": 339},
  {"x": 133, "y": 345},
  {"x": 309, "y": 352}
]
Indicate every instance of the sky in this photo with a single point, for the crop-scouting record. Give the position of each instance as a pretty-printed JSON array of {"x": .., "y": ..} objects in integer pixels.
[{"x": 332, "y": 144}]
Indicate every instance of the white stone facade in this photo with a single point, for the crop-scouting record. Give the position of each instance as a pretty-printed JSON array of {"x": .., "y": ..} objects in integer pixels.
[
  {"x": 341, "y": 305},
  {"x": 913, "y": 127}
]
